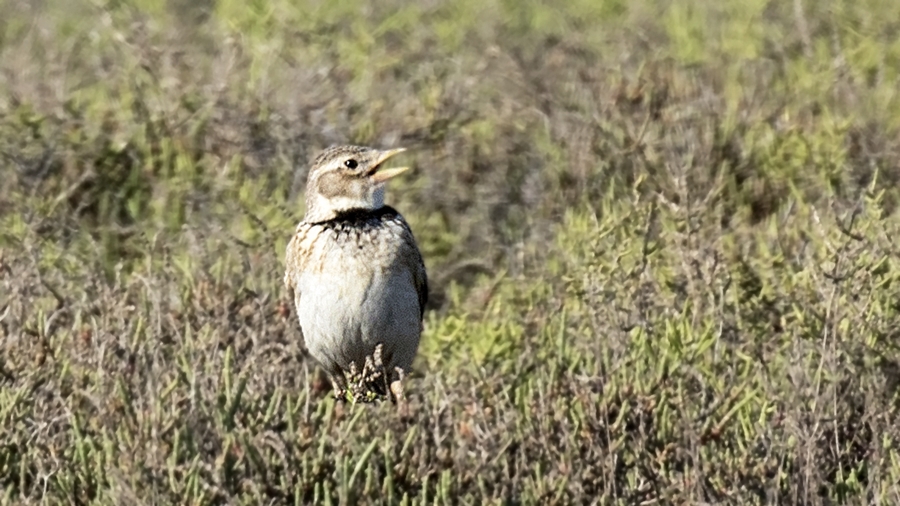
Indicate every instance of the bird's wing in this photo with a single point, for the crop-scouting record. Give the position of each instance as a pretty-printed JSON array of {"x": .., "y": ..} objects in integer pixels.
[
  {"x": 417, "y": 266},
  {"x": 289, "y": 267},
  {"x": 294, "y": 259}
]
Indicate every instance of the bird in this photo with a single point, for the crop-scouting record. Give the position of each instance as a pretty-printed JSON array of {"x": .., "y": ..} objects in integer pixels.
[{"x": 354, "y": 270}]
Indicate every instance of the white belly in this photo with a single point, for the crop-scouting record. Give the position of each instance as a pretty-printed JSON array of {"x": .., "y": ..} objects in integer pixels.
[{"x": 345, "y": 313}]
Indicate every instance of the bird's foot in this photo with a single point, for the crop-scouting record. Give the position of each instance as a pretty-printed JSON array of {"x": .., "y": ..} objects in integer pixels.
[
  {"x": 397, "y": 393},
  {"x": 398, "y": 396}
]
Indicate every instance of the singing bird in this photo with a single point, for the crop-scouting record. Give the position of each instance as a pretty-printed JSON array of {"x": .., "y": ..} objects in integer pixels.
[{"x": 353, "y": 268}]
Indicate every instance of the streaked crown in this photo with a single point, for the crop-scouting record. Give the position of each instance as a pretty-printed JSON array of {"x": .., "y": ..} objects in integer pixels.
[{"x": 342, "y": 178}]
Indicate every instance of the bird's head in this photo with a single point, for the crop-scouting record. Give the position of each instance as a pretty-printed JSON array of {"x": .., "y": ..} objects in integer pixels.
[{"x": 342, "y": 178}]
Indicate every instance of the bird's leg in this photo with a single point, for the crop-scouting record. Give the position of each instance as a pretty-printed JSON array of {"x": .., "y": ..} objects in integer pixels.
[
  {"x": 339, "y": 384},
  {"x": 397, "y": 391},
  {"x": 397, "y": 394}
]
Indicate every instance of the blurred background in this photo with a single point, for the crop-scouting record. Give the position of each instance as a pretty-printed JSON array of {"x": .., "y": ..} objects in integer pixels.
[{"x": 660, "y": 238}]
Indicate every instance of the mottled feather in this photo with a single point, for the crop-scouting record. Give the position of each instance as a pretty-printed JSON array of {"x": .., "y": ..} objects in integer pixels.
[{"x": 353, "y": 268}]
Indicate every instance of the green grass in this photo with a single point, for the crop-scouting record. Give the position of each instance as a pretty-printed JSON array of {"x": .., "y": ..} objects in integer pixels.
[{"x": 660, "y": 239}]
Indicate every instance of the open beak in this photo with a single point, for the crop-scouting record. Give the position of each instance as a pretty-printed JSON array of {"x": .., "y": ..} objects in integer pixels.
[{"x": 383, "y": 175}]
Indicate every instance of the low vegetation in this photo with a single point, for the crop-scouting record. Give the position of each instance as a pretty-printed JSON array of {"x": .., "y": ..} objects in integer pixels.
[{"x": 661, "y": 239}]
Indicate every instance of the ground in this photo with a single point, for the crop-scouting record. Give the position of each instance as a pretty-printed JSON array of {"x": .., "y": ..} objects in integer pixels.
[{"x": 661, "y": 240}]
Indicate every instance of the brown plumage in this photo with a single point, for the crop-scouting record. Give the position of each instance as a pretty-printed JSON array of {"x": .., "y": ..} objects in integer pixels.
[{"x": 353, "y": 268}]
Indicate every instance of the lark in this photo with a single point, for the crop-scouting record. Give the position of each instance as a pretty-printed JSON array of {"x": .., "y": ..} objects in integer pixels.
[{"x": 353, "y": 268}]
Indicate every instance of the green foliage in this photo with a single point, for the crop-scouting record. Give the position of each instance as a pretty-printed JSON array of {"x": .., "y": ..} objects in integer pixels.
[{"x": 660, "y": 242}]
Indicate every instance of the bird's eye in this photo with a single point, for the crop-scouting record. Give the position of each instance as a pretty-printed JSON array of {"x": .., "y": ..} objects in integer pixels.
[{"x": 350, "y": 164}]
